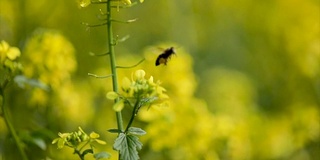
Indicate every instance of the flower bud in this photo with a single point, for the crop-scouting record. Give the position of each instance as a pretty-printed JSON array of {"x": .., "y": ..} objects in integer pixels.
[
  {"x": 112, "y": 95},
  {"x": 140, "y": 74}
]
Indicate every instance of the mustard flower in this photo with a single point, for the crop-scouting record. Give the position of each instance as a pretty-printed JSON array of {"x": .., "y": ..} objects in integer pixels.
[
  {"x": 138, "y": 91},
  {"x": 73, "y": 139},
  {"x": 9, "y": 55}
]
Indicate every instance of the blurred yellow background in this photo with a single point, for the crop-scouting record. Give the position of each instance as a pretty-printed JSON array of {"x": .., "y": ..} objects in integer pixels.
[{"x": 244, "y": 83}]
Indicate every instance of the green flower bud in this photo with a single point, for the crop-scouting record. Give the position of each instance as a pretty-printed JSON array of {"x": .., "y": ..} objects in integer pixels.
[
  {"x": 112, "y": 95},
  {"x": 118, "y": 106}
]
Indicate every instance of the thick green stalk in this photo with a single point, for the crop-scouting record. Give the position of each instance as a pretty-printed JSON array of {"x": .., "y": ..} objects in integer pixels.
[
  {"x": 113, "y": 62},
  {"x": 5, "y": 113}
]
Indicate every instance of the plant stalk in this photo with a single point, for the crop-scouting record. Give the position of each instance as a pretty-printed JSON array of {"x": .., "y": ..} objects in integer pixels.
[
  {"x": 113, "y": 62},
  {"x": 5, "y": 113}
]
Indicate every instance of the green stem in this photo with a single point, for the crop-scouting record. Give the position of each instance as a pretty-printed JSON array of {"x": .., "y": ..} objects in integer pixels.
[
  {"x": 5, "y": 113},
  {"x": 134, "y": 113},
  {"x": 79, "y": 154},
  {"x": 113, "y": 62}
]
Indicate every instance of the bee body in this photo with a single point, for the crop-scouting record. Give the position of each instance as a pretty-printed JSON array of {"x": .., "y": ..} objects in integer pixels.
[{"x": 165, "y": 56}]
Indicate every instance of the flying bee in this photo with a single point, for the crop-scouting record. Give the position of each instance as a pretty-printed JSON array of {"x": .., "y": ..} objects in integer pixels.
[{"x": 165, "y": 56}]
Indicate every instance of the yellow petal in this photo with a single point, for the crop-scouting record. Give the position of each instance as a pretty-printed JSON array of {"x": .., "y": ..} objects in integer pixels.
[
  {"x": 140, "y": 74},
  {"x": 4, "y": 46},
  {"x": 94, "y": 135},
  {"x": 13, "y": 53},
  {"x": 100, "y": 141},
  {"x": 126, "y": 83}
]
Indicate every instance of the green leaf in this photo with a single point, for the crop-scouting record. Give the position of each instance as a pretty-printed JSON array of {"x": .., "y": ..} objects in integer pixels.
[
  {"x": 136, "y": 131},
  {"x": 102, "y": 155},
  {"x": 22, "y": 81},
  {"x": 127, "y": 145},
  {"x": 114, "y": 131},
  {"x": 40, "y": 143}
]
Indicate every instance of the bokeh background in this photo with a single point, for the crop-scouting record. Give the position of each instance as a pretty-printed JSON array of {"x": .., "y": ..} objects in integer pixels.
[{"x": 244, "y": 84}]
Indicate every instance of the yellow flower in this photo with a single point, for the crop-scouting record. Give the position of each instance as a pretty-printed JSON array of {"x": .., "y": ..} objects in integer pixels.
[
  {"x": 8, "y": 52},
  {"x": 139, "y": 90},
  {"x": 140, "y": 74},
  {"x": 13, "y": 53},
  {"x": 8, "y": 56}
]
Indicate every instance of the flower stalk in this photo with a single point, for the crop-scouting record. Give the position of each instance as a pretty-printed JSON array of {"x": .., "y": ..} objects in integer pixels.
[
  {"x": 113, "y": 62},
  {"x": 13, "y": 132}
]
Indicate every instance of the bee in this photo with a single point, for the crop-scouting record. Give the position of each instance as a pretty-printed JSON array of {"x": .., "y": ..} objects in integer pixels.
[{"x": 165, "y": 56}]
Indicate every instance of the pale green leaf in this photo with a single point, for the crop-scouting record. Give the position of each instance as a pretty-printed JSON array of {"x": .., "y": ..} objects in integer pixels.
[
  {"x": 128, "y": 145},
  {"x": 136, "y": 131},
  {"x": 101, "y": 155},
  {"x": 114, "y": 131}
]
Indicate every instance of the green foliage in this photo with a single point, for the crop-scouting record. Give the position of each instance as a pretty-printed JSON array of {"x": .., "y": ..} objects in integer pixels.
[
  {"x": 128, "y": 143},
  {"x": 101, "y": 155},
  {"x": 22, "y": 81},
  {"x": 136, "y": 93},
  {"x": 136, "y": 131}
]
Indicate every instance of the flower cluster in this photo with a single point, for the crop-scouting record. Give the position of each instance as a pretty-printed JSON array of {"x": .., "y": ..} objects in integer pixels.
[
  {"x": 139, "y": 91},
  {"x": 73, "y": 139},
  {"x": 8, "y": 56}
]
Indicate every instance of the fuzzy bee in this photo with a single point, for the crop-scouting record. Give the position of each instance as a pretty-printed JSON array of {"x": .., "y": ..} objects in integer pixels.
[{"x": 165, "y": 56}]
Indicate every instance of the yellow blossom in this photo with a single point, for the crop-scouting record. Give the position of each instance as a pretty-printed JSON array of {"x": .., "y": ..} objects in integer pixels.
[
  {"x": 4, "y": 46},
  {"x": 140, "y": 74},
  {"x": 13, "y": 53},
  {"x": 8, "y": 52}
]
